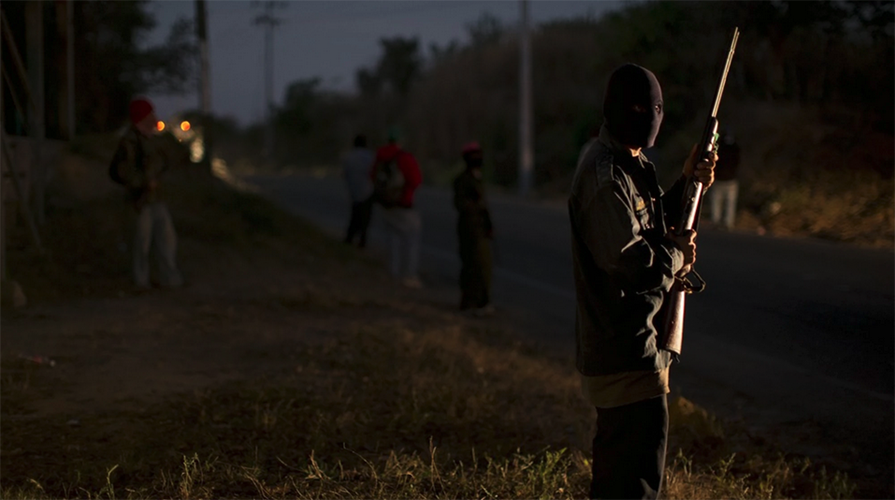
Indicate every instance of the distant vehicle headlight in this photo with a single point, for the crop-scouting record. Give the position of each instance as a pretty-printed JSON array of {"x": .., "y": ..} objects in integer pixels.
[
  {"x": 160, "y": 125},
  {"x": 185, "y": 126}
]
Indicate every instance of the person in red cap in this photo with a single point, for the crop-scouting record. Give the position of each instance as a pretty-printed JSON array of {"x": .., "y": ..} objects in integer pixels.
[
  {"x": 474, "y": 232},
  {"x": 138, "y": 165}
]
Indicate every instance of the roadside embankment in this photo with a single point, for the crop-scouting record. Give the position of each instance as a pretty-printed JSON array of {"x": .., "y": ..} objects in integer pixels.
[{"x": 291, "y": 366}]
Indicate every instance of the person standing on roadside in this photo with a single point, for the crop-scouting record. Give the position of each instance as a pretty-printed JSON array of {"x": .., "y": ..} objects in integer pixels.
[
  {"x": 396, "y": 175},
  {"x": 139, "y": 164},
  {"x": 474, "y": 234},
  {"x": 625, "y": 258},
  {"x": 356, "y": 166},
  {"x": 723, "y": 198}
]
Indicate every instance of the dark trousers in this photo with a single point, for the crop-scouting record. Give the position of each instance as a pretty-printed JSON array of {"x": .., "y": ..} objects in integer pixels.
[
  {"x": 360, "y": 221},
  {"x": 475, "y": 268},
  {"x": 629, "y": 450}
]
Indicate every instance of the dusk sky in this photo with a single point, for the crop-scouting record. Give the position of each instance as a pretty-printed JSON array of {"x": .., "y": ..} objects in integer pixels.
[{"x": 326, "y": 39}]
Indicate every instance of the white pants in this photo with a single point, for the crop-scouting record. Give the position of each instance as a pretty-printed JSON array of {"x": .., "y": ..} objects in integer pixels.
[
  {"x": 403, "y": 226},
  {"x": 723, "y": 196},
  {"x": 154, "y": 228}
]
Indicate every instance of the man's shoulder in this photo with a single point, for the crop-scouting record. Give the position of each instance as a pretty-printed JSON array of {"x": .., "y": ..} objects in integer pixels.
[
  {"x": 606, "y": 168},
  {"x": 406, "y": 159},
  {"x": 387, "y": 151},
  {"x": 127, "y": 134},
  {"x": 358, "y": 155},
  {"x": 129, "y": 142},
  {"x": 459, "y": 180},
  {"x": 599, "y": 162},
  {"x": 403, "y": 153}
]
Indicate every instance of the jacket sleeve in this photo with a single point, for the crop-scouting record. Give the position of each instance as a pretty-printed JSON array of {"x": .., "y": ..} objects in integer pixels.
[
  {"x": 638, "y": 260},
  {"x": 672, "y": 202}
]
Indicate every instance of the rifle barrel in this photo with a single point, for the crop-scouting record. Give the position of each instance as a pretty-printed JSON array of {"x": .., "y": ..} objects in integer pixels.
[{"x": 733, "y": 46}]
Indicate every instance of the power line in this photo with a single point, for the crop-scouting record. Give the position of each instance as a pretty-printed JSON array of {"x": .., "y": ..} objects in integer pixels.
[{"x": 202, "y": 33}]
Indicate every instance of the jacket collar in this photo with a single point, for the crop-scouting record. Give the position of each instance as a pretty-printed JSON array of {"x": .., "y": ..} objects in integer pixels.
[
  {"x": 633, "y": 165},
  {"x": 616, "y": 148}
]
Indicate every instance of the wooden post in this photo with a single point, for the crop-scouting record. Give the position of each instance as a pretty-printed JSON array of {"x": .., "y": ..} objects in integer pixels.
[
  {"x": 2, "y": 171},
  {"x": 3, "y": 276},
  {"x": 65, "y": 63},
  {"x": 34, "y": 50},
  {"x": 2, "y": 242},
  {"x": 70, "y": 66},
  {"x": 6, "y": 160},
  {"x": 526, "y": 150}
]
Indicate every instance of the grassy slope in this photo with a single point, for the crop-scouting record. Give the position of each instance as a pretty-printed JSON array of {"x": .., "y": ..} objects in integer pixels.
[
  {"x": 809, "y": 174},
  {"x": 377, "y": 393}
]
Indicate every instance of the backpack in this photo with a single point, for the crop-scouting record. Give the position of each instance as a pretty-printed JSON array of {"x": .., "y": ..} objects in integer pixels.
[
  {"x": 120, "y": 156},
  {"x": 388, "y": 185}
]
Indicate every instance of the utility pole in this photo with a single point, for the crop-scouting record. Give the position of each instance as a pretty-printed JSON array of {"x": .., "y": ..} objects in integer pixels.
[
  {"x": 202, "y": 35},
  {"x": 2, "y": 211},
  {"x": 526, "y": 151},
  {"x": 204, "y": 83},
  {"x": 270, "y": 22},
  {"x": 70, "y": 68},
  {"x": 34, "y": 55}
]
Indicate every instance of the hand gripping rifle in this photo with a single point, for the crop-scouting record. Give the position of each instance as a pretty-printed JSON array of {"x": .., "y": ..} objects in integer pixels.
[{"x": 672, "y": 335}]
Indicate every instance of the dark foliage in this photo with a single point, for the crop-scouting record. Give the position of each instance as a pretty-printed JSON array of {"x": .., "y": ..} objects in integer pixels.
[{"x": 113, "y": 66}]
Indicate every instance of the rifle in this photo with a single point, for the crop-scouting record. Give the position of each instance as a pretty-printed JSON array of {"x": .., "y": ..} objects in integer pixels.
[{"x": 672, "y": 335}]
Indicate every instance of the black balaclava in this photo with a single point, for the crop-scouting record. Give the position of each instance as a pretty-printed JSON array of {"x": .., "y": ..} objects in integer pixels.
[{"x": 632, "y": 86}]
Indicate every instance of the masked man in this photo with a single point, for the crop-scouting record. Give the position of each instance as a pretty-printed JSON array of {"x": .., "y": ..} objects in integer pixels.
[{"x": 625, "y": 259}]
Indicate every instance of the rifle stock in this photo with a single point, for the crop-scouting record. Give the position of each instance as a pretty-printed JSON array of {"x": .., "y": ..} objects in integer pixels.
[{"x": 671, "y": 336}]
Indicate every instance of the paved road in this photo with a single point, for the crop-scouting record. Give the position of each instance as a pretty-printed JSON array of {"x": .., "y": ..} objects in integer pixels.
[{"x": 788, "y": 332}]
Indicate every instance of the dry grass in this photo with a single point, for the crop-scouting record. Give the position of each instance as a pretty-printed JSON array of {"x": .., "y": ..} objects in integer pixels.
[
  {"x": 379, "y": 413},
  {"x": 849, "y": 206},
  {"x": 391, "y": 397},
  {"x": 825, "y": 175}
]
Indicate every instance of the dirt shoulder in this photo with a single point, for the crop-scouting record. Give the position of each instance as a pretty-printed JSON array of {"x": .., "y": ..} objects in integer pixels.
[{"x": 291, "y": 365}]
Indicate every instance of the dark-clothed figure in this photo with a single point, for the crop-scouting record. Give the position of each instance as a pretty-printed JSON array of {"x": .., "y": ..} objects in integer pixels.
[
  {"x": 723, "y": 196},
  {"x": 356, "y": 165},
  {"x": 625, "y": 260},
  {"x": 474, "y": 232},
  {"x": 141, "y": 162},
  {"x": 402, "y": 221}
]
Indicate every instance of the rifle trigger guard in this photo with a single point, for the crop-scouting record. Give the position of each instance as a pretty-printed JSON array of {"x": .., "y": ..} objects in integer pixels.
[{"x": 690, "y": 286}]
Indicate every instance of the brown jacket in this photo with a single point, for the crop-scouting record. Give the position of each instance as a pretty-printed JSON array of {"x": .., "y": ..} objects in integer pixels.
[
  {"x": 141, "y": 160},
  {"x": 623, "y": 265}
]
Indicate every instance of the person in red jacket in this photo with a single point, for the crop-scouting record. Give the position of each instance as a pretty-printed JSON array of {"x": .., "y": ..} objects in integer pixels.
[{"x": 402, "y": 220}]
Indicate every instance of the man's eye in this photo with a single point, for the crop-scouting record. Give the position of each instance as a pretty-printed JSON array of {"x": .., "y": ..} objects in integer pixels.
[
  {"x": 658, "y": 108},
  {"x": 639, "y": 109}
]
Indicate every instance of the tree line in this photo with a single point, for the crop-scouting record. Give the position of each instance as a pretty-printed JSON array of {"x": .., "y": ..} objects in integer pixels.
[{"x": 832, "y": 56}]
